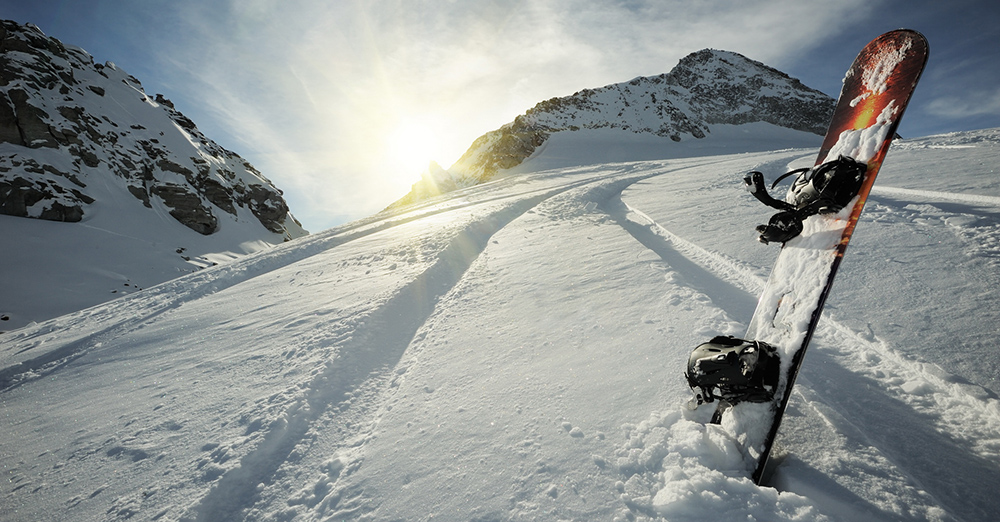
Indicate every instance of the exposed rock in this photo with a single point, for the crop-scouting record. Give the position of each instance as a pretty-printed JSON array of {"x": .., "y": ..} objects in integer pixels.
[
  {"x": 30, "y": 121},
  {"x": 186, "y": 207},
  {"x": 60, "y": 212},
  {"x": 44, "y": 199},
  {"x": 17, "y": 194},
  {"x": 140, "y": 192},
  {"x": 220, "y": 195},
  {"x": 163, "y": 101},
  {"x": 52, "y": 96},
  {"x": 266, "y": 203},
  {"x": 86, "y": 156},
  {"x": 9, "y": 131},
  {"x": 169, "y": 166}
]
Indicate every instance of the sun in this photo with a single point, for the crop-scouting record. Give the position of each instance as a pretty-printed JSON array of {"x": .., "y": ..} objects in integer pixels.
[{"x": 409, "y": 148}]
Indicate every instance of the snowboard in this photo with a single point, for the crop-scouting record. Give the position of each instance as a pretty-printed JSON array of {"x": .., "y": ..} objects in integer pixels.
[{"x": 875, "y": 93}]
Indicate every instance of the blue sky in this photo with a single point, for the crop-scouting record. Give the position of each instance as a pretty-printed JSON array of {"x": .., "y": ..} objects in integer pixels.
[{"x": 342, "y": 103}]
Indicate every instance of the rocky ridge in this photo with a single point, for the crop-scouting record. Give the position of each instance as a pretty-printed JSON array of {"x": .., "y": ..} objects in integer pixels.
[
  {"x": 706, "y": 88},
  {"x": 68, "y": 124}
]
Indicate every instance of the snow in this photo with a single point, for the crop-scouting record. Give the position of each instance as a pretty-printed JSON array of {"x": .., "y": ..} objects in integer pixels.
[
  {"x": 862, "y": 144},
  {"x": 51, "y": 271},
  {"x": 876, "y": 79},
  {"x": 57, "y": 262},
  {"x": 514, "y": 351},
  {"x": 602, "y": 146}
]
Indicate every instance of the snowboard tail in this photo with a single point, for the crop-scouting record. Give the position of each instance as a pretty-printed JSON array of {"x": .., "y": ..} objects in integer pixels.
[{"x": 876, "y": 91}]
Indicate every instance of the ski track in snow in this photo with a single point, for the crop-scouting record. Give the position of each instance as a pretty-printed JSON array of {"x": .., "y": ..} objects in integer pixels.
[
  {"x": 374, "y": 347},
  {"x": 333, "y": 494},
  {"x": 104, "y": 321},
  {"x": 973, "y": 217},
  {"x": 361, "y": 366},
  {"x": 958, "y": 421},
  {"x": 974, "y": 199}
]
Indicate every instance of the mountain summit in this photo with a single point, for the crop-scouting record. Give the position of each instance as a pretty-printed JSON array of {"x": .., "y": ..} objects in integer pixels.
[{"x": 705, "y": 90}]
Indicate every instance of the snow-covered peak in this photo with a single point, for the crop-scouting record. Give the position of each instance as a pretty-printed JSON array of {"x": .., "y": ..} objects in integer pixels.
[
  {"x": 727, "y": 87},
  {"x": 706, "y": 89},
  {"x": 125, "y": 190},
  {"x": 71, "y": 128}
]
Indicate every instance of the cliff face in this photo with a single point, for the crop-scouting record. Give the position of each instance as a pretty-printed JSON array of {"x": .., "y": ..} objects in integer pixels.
[
  {"x": 75, "y": 134},
  {"x": 705, "y": 89}
]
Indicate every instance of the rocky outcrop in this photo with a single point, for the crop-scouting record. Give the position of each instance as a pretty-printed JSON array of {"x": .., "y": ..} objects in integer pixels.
[
  {"x": 186, "y": 207},
  {"x": 67, "y": 123},
  {"x": 20, "y": 194}
]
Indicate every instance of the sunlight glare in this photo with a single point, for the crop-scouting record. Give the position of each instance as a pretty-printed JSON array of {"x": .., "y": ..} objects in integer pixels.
[{"x": 410, "y": 148}]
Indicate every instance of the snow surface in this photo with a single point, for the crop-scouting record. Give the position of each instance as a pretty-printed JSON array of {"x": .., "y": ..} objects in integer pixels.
[
  {"x": 515, "y": 352},
  {"x": 119, "y": 248}
]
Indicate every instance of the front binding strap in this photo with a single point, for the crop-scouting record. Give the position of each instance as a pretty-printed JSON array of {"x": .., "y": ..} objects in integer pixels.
[{"x": 823, "y": 189}]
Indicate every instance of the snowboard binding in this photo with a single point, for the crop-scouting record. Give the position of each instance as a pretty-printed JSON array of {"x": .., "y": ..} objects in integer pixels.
[
  {"x": 823, "y": 189},
  {"x": 733, "y": 370}
]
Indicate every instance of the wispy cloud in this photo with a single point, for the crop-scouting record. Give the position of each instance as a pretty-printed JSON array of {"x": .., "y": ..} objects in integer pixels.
[
  {"x": 313, "y": 88},
  {"x": 976, "y": 102}
]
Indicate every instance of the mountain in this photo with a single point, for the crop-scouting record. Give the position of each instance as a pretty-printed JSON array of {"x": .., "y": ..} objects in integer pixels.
[
  {"x": 708, "y": 91},
  {"x": 515, "y": 351},
  {"x": 86, "y": 150}
]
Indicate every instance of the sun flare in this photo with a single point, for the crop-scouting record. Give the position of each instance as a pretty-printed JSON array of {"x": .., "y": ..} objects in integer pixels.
[{"x": 410, "y": 147}]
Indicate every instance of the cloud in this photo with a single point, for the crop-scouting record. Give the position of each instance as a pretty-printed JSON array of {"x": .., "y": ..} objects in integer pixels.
[
  {"x": 312, "y": 89},
  {"x": 979, "y": 102}
]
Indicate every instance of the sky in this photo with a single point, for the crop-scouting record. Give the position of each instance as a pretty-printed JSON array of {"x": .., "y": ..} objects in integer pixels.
[{"x": 342, "y": 104}]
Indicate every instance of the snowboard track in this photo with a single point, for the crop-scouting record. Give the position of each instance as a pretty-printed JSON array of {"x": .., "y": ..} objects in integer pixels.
[
  {"x": 968, "y": 199},
  {"x": 155, "y": 301},
  {"x": 363, "y": 361},
  {"x": 366, "y": 362}
]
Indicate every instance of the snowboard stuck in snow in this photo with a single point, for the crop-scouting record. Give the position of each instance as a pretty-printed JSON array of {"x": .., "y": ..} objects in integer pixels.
[{"x": 750, "y": 380}]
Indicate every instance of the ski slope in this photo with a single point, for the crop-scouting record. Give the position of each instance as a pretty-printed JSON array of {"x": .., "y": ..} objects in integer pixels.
[{"x": 515, "y": 352}]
